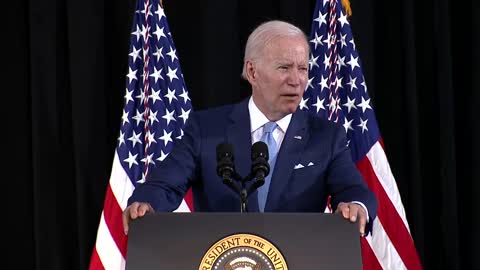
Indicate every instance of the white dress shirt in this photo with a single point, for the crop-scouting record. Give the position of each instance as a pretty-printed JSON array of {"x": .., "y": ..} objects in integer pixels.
[{"x": 258, "y": 119}]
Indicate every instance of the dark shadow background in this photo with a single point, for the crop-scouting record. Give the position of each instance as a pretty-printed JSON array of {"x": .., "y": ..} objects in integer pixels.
[{"x": 66, "y": 63}]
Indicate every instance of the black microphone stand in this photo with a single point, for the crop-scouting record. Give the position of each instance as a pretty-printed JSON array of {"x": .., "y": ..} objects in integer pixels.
[{"x": 243, "y": 193}]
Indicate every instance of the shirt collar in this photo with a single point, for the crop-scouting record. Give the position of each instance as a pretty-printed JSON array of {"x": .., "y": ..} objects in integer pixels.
[{"x": 258, "y": 119}]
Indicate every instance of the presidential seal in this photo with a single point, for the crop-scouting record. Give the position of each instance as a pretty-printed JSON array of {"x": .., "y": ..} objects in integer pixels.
[{"x": 243, "y": 252}]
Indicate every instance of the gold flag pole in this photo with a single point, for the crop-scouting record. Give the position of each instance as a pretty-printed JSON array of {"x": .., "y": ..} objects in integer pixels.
[{"x": 346, "y": 5}]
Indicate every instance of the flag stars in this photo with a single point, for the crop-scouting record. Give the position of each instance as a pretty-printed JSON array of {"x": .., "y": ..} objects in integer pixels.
[
  {"x": 160, "y": 12},
  {"x": 169, "y": 116},
  {"x": 132, "y": 75},
  {"x": 317, "y": 40},
  {"x": 350, "y": 104},
  {"x": 365, "y": 104},
  {"x": 153, "y": 117},
  {"x": 135, "y": 53},
  {"x": 132, "y": 159},
  {"x": 309, "y": 84},
  {"x": 135, "y": 138},
  {"x": 353, "y": 43},
  {"x": 170, "y": 95},
  {"x": 184, "y": 115},
  {"x": 156, "y": 74},
  {"x": 323, "y": 83},
  {"x": 145, "y": 31},
  {"x": 151, "y": 138},
  {"x": 352, "y": 83},
  {"x": 338, "y": 83},
  {"x": 172, "y": 54},
  {"x": 312, "y": 62},
  {"x": 363, "y": 125},
  {"x": 353, "y": 62},
  {"x": 343, "y": 19},
  {"x": 347, "y": 125},
  {"x": 179, "y": 137},
  {"x": 141, "y": 96},
  {"x": 332, "y": 106},
  {"x": 319, "y": 104},
  {"x": 303, "y": 104},
  {"x": 125, "y": 117},
  {"x": 321, "y": 19},
  {"x": 148, "y": 160},
  {"x": 162, "y": 156},
  {"x": 137, "y": 33},
  {"x": 159, "y": 32},
  {"x": 145, "y": 8},
  {"x": 172, "y": 74},
  {"x": 341, "y": 62},
  {"x": 326, "y": 61},
  {"x": 143, "y": 179},
  {"x": 167, "y": 137},
  {"x": 337, "y": 105},
  {"x": 155, "y": 96},
  {"x": 138, "y": 117},
  {"x": 342, "y": 40},
  {"x": 128, "y": 96},
  {"x": 327, "y": 40},
  {"x": 121, "y": 139},
  {"x": 184, "y": 95},
  {"x": 158, "y": 53},
  {"x": 364, "y": 84}
]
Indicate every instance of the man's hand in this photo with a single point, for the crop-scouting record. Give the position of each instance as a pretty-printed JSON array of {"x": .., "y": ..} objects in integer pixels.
[
  {"x": 353, "y": 212},
  {"x": 134, "y": 211}
]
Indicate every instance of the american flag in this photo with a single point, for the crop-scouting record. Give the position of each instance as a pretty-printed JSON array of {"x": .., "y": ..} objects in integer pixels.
[
  {"x": 155, "y": 111},
  {"x": 337, "y": 91}
]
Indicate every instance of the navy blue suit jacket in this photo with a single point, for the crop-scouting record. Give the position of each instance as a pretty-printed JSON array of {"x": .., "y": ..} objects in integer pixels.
[{"x": 192, "y": 163}]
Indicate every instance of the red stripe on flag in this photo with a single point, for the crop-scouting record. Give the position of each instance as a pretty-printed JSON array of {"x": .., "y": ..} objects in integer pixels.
[
  {"x": 390, "y": 219},
  {"x": 95, "y": 262},
  {"x": 113, "y": 218},
  {"x": 380, "y": 141},
  {"x": 189, "y": 199},
  {"x": 369, "y": 259}
]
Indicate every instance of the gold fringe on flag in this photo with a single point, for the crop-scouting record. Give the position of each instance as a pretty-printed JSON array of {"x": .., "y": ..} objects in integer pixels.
[{"x": 348, "y": 9}]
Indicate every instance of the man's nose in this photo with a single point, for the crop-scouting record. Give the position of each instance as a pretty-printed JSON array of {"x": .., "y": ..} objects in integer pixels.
[{"x": 294, "y": 77}]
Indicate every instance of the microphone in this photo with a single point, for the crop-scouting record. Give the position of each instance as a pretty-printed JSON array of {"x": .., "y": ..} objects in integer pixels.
[
  {"x": 260, "y": 166},
  {"x": 225, "y": 165}
]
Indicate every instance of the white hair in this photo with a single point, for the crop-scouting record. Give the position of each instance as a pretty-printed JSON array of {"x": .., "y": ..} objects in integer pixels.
[{"x": 263, "y": 34}]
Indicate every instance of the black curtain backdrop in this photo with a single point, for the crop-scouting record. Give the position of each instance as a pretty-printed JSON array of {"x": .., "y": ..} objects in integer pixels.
[{"x": 63, "y": 95}]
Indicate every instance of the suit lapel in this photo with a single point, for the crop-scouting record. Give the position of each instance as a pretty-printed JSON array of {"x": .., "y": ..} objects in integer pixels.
[
  {"x": 239, "y": 135},
  {"x": 289, "y": 155}
]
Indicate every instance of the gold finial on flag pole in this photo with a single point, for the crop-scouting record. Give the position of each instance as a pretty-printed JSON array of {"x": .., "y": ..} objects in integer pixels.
[{"x": 346, "y": 5}]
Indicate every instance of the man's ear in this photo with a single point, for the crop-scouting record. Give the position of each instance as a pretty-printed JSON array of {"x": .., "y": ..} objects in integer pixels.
[{"x": 250, "y": 71}]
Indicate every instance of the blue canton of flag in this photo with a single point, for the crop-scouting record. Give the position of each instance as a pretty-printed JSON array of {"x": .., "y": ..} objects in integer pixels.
[
  {"x": 336, "y": 88},
  {"x": 157, "y": 105}
]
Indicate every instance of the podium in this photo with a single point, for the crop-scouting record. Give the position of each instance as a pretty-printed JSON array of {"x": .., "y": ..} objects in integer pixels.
[{"x": 281, "y": 241}]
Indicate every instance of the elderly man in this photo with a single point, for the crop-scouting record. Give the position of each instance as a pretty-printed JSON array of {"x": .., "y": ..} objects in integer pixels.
[{"x": 309, "y": 158}]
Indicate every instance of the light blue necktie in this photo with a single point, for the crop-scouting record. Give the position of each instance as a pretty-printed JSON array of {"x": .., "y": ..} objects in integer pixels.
[{"x": 267, "y": 137}]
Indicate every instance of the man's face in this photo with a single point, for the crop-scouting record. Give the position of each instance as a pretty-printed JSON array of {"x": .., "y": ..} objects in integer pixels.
[{"x": 279, "y": 76}]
